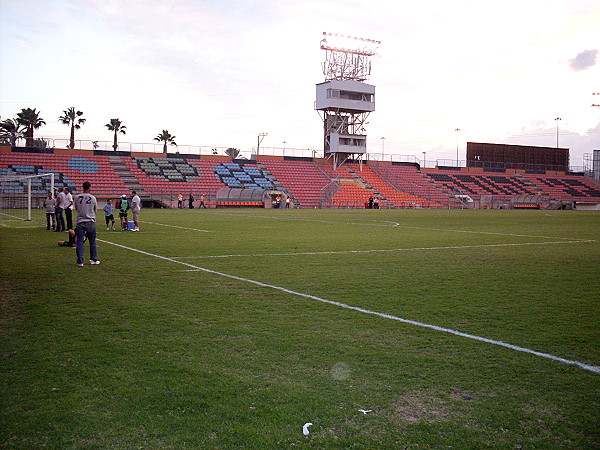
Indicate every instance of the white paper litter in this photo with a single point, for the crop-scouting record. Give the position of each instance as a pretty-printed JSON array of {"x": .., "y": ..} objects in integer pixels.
[{"x": 305, "y": 428}]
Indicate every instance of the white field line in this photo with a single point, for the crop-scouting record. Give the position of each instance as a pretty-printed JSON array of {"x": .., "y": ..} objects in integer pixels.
[
  {"x": 453, "y": 247},
  {"x": 584, "y": 366},
  {"x": 389, "y": 223},
  {"x": 175, "y": 226}
]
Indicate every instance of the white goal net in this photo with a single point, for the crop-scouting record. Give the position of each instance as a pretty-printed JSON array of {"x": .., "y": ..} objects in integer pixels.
[{"x": 21, "y": 195}]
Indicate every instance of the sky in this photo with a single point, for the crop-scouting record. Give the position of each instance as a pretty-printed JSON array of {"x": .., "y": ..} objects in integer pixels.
[{"x": 217, "y": 73}]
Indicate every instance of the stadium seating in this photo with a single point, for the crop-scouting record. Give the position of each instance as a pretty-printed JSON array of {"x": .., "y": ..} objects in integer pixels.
[
  {"x": 395, "y": 197},
  {"x": 566, "y": 187},
  {"x": 311, "y": 183},
  {"x": 70, "y": 171},
  {"x": 475, "y": 185},
  {"x": 171, "y": 176},
  {"x": 302, "y": 179}
]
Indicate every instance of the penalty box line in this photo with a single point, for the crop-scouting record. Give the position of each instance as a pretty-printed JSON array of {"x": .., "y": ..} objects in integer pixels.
[{"x": 595, "y": 369}]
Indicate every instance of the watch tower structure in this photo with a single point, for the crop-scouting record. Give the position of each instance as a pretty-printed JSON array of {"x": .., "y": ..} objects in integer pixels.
[{"x": 344, "y": 100}]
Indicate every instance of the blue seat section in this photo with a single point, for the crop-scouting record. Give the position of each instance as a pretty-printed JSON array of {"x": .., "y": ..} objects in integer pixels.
[
  {"x": 245, "y": 176},
  {"x": 171, "y": 169},
  {"x": 38, "y": 185},
  {"x": 83, "y": 165}
]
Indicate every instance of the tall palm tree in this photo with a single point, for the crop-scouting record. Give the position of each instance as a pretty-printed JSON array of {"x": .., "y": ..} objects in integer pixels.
[
  {"x": 117, "y": 127},
  {"x": 31, "y": 120},
  {"x": 74, "y": 120},
  {"x": 167, "y": 138},
  {"x": 233, "y": 152},
  {"x": 12, "y": 130}
]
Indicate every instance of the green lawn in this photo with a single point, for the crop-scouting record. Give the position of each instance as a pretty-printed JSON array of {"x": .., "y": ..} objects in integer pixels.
[{"x": 211, "y": 329}]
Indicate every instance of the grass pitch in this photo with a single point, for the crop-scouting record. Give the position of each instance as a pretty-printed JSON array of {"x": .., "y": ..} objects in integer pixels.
[{"x": 211, "y": 328}]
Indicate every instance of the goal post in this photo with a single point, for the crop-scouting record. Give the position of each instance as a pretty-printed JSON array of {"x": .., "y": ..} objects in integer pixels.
[{"x": 21, "y": 193}]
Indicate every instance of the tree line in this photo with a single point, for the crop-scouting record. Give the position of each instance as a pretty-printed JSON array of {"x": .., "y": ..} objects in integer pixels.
[{"x": 28, "y": 120}]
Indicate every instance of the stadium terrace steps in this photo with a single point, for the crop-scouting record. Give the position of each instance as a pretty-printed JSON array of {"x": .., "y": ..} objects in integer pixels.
[{"x": 394, "y": 197}]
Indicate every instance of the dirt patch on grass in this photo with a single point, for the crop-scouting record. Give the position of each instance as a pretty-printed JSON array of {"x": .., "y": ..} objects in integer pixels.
[{"x": 430, "y": 406}]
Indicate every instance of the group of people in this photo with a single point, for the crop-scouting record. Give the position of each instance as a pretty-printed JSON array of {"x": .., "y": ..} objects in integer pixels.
[
  {"x": 59, "y": 205},
  {"x": 85, "y": 205},
  {"x": 123, "y": 205},
  {"x": 373, "y": 203},
  {"x": 191, "y": 201}
]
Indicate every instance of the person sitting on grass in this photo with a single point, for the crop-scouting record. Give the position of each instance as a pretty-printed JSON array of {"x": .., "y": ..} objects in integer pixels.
[{"x": 70, "y": 242}]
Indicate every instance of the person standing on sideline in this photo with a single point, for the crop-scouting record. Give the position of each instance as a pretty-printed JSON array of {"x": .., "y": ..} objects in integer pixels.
[
  {"x": 50, "y": 205},
  {"x": 123, "y": 207},
  {"x": 108, "y": 214},
  {"x": 191, "y": 201},
  {"x": 136, "y": 206},
  {"x": 180, "y": 201},
  {"x": 58, "y": 211},
  {"x": 68, "y": 207},
  {"x": 86, "y": 204},
  {"x": 202, "y": 205},
  {"x": 288, "y": 201}
]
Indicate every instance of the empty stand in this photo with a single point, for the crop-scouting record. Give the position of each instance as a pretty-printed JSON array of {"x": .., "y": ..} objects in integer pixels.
[
  {"x": 302, "y": 179},
  {"x": 477, "y": 185},
  {"x": 171, "y": 176},
  {"x": 69, "y": 170},
  {"x": 567, "y": 187}
]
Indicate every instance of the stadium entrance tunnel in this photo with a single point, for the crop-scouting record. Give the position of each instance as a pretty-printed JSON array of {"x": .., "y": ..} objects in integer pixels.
[{"x": 249, "y": 198}]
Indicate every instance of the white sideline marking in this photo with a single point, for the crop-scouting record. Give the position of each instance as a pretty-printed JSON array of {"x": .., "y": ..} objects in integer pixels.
[
  {"x": 454, "y": 247},
  {"x": 589, "y": 367},
  {"x": 175, "y": 226}
]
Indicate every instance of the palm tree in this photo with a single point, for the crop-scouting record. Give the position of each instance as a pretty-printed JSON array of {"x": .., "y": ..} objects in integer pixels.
[
  {"x": 11, "y": 130},
  {"x": 167, "y": 138},
  {"x": 31, "y": 120},
  {"x": 73, "y": 119},
  {"x": 233, "y": 152},
  {"x": 117, "y": 126}
]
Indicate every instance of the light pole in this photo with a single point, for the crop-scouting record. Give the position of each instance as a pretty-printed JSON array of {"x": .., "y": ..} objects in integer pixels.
[
  {"x": 556, "y": 120},
  {"x": 382, "y": 147},
  {"x": 424, "y": 158},
  {"x": 457, "y": 134},
  {"x": 261, "y": 136}
]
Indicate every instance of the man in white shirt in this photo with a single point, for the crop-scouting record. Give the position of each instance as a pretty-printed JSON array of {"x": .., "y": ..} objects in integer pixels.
[
  {"x": 58, "y": 212},
  {"x": 136, "y": 205},
  {"x": 68, "y": 207}
]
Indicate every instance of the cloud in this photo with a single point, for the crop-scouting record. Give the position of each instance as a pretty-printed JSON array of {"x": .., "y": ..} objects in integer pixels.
[{"x": 584, "y": 60}]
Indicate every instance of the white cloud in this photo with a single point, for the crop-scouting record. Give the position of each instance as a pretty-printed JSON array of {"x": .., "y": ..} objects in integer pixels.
[{"x": 584, "y": 60}]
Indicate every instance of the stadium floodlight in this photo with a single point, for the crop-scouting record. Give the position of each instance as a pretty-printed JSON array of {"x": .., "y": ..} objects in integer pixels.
[
  {"x": 349, "y": 44},
  {"x": 347, "y": 57}
]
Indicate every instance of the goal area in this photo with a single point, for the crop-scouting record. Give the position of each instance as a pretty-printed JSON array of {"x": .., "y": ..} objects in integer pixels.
[{"x": 20, "y": 194}]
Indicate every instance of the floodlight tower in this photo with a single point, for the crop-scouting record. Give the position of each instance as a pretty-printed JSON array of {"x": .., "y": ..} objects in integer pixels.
[{"x": 344, "y": 100}]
